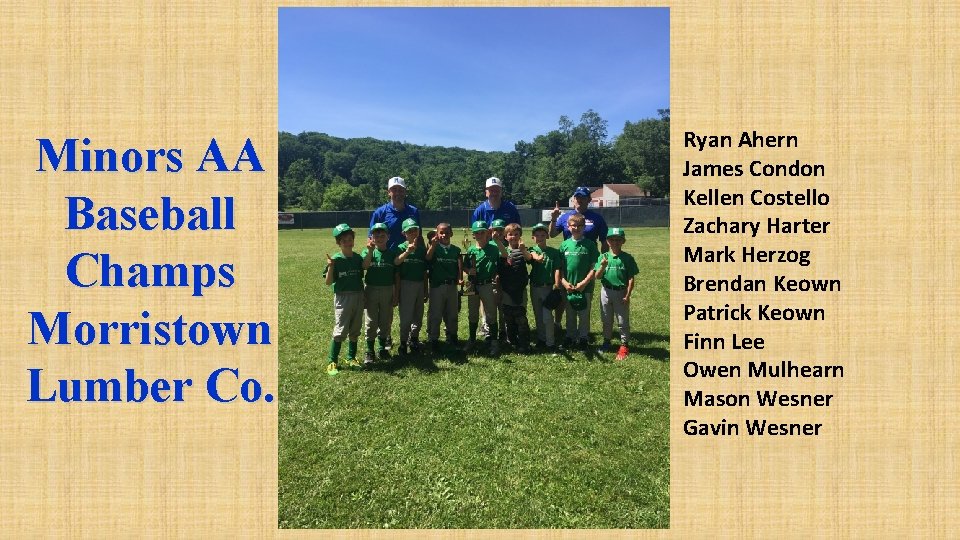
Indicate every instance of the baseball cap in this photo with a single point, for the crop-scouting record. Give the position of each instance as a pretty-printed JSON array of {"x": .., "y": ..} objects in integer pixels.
[
  {"x": 340, "y": 229},
  {"x": 478, "y": 226},
  {"x": 616, "y": 231},
  {"x": 494, "y": 181},
  {"x": 396, "y": 181},
  {"x": 542, "y": 227},
  {"x": 577, "y": 301},
  {"x": 379, "y": 227},
  {"x": 498, "y": 224},
  {"x": 581, "y": 192},
  {"x": 409, "y": 223}
]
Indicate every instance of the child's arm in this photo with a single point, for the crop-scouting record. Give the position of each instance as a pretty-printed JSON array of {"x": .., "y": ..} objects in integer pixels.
[
  {"x": 632, "y": 271},
  {"x": 396, "y": 289},
  {"x": 586, "y": 281},
  {"x": 368, "y": 259},
  {"x": 567, "y": 286},
  {"x": 557, "y": 279},
  {"x": 460, "y": 269},
  {"x": 601, "y": 267},
  {"x": 331, "y": 271},
  {"x": 527, "y": 255},
  {"x": 426, "y": 287},
  {"x": 432, "y": 248},
  {"x": 503, "y": 249},
  {"x": 401, "y": 258}
]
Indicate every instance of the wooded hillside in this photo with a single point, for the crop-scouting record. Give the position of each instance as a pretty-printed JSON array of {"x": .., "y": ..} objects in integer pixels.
[{"x": 321, "y": 172}]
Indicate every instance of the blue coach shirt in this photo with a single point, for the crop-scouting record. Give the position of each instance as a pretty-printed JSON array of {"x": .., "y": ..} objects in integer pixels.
[
  {"x": 507, "y": 212},
  {"x": 595, "y": 228},
  {"x": 393, "y": 219}
]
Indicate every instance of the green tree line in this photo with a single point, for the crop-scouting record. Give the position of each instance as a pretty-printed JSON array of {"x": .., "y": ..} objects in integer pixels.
[{"x": 321, "y": 172}]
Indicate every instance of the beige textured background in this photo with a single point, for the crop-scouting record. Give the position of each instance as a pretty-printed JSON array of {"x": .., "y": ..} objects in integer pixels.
[{"x": 871, "y": 91}]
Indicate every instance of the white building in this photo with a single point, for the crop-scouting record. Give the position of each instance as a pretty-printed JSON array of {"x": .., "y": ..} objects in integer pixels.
[{"x": 614, "y": 195}]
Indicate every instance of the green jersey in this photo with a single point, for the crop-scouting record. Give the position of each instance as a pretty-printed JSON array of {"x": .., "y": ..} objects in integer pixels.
[
  {"x": 486, "y": 259},
  {"x": 620, "y": 268},
  {"x": 541, "y": 273},
  {"x": 382, "y": 270},
  {"x": 444, "y": 266},
  {"x": 414, "y": 265},
  {"x": 347, "y": 272},
  {"x": 579, "y": 256}
]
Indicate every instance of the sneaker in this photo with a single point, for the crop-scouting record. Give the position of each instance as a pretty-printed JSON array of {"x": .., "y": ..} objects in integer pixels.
[
  {"x": 494, "y": 347},
  {"x": 332, "y": 368},
  {"x": 368, "y": 359},
  {"x": 540, "y": 345},
  {"x": 605, "y": 348},
  {"x": 415, "y": 346},
  {"x": 470, "y": 346},
  {"x": 353, "y": 363},
  {"x": 402, "y": 349},
  {"x": 389, "y": 343},
  {"x": 383, "y": 354},
  {"x": 622, "y": 353}
]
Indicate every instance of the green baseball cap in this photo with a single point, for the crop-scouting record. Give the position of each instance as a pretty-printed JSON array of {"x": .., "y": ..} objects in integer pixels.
[
  {"x": 577, "y": 301},
  {"x": 498, "y": 224},
  {"x": 542, "y": 227},
  {"x": 616, "y": 231},
  {"x": 340, "y": 229},
  {"x": 478, "y": 226},
  {"x": 379, "y": 227},
  {"x": 409, "y": 223}
]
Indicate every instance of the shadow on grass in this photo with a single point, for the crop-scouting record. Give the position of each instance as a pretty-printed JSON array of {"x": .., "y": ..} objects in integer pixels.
[
  {"x": 646, "y": 345},
  {"x": 395, "y": 363},
  {"x": 423, "y": 363}
]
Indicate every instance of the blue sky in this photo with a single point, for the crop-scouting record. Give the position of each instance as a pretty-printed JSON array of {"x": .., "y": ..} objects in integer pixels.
[{"x": 477, "y": 78}]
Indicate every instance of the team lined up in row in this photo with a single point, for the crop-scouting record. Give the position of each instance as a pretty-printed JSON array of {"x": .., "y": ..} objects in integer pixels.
[{"x": 411, "y": 274}]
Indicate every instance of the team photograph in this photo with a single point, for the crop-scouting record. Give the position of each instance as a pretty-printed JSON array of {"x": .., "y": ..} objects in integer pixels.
[{"x": 473, "y": 285}]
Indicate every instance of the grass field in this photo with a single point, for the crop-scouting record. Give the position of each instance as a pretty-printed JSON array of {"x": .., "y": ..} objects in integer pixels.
[{"x": 534, "y": 441}]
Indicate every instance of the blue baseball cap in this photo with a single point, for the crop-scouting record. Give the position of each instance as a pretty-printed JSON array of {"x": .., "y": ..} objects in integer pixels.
[{"x": 581, "y": 192}]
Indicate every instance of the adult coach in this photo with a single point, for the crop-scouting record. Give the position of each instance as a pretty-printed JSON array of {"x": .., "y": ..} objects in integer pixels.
[
  {"x": 490, "y": 210},
  {"x": 395, "y": 211},
  {"x": 495, "y": 207},
  {"x": 595, "y": 228}
]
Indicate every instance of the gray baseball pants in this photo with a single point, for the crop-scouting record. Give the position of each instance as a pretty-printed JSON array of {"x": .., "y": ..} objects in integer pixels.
[
  {"x": 411, "y": 310},
  {"x": 543, "y": 317},
  {"x": 379, "y": 311},
  {"x": 444, "y": 306},
  {"x": 579, "y": 331},
  {"x": 485, "y": 296},
  {"x": 347, "y": 315},
  {"x": 612, "y": 304}
]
